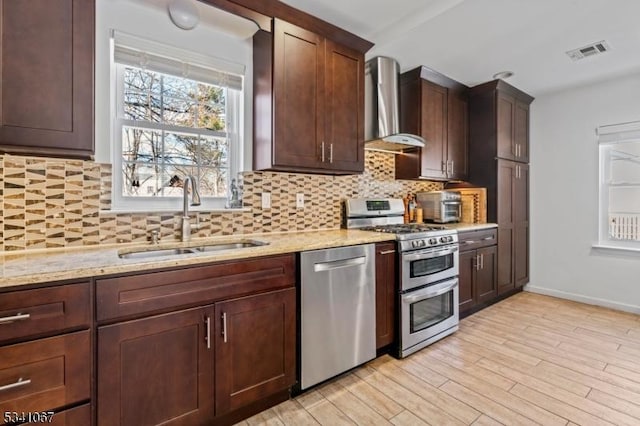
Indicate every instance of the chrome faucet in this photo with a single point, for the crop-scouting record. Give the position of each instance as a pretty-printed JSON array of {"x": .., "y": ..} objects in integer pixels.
[{"x": 195, "y": 201}]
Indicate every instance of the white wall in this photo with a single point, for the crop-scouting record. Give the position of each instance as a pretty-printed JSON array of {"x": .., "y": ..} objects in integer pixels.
[
  {"x": 153, "y": 23},
  {"x": 564, "y": 196}
]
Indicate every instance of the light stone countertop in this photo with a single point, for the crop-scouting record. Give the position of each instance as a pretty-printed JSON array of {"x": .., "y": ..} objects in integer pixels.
[
  {"x": 463, "y": 227},
  {"x": 39, "y": 266}
]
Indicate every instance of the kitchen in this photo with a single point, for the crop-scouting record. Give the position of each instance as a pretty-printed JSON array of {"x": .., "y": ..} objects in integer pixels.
[{"x": 66, "y": 220}]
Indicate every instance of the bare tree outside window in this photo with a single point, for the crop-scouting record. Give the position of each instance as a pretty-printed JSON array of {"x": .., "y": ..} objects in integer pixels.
[{"x": 172, "y": 126}]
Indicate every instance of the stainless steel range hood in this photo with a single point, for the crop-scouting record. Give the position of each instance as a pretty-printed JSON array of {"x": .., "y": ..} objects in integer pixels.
[{"x": 382, "y": 108}]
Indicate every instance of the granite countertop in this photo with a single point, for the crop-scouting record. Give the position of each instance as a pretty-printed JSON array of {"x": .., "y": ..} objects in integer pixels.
[
  {"x": 38, "y": 266},
  {"x": 462, "y": 227}
]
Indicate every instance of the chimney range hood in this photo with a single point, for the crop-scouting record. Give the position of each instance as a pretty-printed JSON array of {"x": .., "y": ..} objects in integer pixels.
[{"x": 382, "y": 108}]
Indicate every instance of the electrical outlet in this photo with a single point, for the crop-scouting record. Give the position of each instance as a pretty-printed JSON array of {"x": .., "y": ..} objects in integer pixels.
[
  {"x": 266, "y": 200},
  {"x": 300, "y": 200}
]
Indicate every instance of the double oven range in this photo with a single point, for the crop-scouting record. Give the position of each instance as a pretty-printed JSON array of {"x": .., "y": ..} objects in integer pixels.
[{"x": 428, "y": 270}]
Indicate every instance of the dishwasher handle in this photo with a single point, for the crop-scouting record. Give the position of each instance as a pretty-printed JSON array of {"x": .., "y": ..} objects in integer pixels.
[{"x": 337, "y": 264}]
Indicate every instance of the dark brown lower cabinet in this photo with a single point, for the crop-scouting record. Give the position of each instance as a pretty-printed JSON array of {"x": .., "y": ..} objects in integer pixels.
[
  {"x": 478, "y": 283},
  {"x": 191, "y": 366},
  {"x": 255, "y": 348},
  {"x": 386, "y": 293},
  {"x": 157, "y": 370}
]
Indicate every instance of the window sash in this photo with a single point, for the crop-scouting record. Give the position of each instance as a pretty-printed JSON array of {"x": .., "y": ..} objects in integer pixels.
[
  {"x": 619, "y": 185},
  {"x": 170, "y": 203}
]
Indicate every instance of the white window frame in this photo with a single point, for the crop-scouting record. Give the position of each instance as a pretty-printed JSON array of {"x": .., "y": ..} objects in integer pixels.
[
  {"x": 621, "y": 232},
  {"x": 234, "y": 123}
]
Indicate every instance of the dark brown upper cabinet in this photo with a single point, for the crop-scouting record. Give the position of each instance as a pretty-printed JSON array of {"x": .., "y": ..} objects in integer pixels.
[
  {"x": 507, "y": 118},
  {"x": 435, "y": 107},
  {"x": 308, "y": 102},
  {"x": 46, "y": 84}
]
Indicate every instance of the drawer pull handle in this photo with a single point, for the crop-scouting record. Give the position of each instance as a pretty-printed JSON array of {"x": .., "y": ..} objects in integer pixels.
[
  {"x": 14, "y": 318},
  {"x": 387, "y": 251},
  {"x": 470, "y": 242},
  {"x": 17, "y": 384},
  {"x": 224, "y": 327},
  {"x": 487, "y": 238}
]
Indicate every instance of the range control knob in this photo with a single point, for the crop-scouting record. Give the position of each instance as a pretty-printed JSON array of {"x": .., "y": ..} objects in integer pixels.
[
  {"x": 443, "y": 239},
  {"x": 423, "y": 243},
  {"x": 433, "y": 240}
]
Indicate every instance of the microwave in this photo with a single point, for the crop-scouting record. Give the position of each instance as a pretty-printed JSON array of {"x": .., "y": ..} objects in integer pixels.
[{"x": 440, "y": 206}]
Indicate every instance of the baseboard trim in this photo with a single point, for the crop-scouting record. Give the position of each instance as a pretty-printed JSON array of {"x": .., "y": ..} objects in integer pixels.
[{"x": 583, "y": 299}]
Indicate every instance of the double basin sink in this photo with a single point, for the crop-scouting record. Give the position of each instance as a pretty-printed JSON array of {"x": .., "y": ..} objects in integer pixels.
[{"x": 176, "y": 251}]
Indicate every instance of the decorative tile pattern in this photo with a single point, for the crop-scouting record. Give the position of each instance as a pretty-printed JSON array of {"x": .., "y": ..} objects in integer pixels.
[{"x": 49, "y": 203}]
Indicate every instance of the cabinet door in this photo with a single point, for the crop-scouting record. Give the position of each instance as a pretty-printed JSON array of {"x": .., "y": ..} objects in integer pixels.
[
  {"x": 521, "y": 225},
  {"x": 486, "y": 279},
  {"x": 505, "y": 114},
  {"x": 505, "y": 219},
  {"x": 298, "y": 86},
  {"x": 386, "y": 293},
  {"x": 255, "y": 348},
  {"x": 46, "y": 84},
  {"x": 521, "y": 131},
  {"x": 466, "y": 280},
  {"x": 344, "y": 112},
  {"x": 434, "y": 130},
  {"x": 157, "y": 370},
  {"x": 457, "y": 135}
]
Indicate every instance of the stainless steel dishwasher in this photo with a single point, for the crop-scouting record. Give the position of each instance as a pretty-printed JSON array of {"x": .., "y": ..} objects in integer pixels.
[{"x": 337, "y": 310}]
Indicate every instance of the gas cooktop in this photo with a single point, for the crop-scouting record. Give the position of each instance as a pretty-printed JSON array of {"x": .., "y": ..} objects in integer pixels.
[{"x": 405, "y": 228}]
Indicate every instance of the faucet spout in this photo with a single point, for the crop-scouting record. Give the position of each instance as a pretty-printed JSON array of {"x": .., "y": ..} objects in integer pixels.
[{"x": 195, "y": 201}]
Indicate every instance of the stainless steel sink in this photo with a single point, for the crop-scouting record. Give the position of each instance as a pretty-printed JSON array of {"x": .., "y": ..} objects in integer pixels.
[
  {"x": 229, "y": 246},
  {"x": 205, "y": 248},
  {"x": 156, "y": 253}
]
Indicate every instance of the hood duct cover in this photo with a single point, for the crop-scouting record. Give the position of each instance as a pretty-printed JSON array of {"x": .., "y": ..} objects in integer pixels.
[{"x": 382, "y": 108}]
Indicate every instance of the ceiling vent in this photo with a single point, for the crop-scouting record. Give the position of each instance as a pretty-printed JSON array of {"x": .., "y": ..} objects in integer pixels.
[{"x": 589, "y": 50}]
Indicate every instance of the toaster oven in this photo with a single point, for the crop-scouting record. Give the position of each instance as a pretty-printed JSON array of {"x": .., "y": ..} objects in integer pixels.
[{"x": 440, "y": 206}]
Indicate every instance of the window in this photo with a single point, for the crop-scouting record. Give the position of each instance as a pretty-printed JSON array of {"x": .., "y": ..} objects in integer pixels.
[
  {"x": 173, "y": 117},
  {"x": 619, "y": 151}
]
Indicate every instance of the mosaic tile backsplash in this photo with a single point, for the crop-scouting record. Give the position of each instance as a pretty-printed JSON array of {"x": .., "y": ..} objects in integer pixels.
[{"x": 49, "y": 203}]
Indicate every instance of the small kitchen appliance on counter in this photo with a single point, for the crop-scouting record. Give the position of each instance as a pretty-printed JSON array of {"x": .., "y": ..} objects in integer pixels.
[
  {"x": 428, "y": 278},
  {"x": 441, "y": 206}
]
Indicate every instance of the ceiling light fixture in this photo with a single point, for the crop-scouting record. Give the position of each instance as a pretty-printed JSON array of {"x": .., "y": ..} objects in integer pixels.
[
  {"x": 502, "y": 75},
  {"x": 184, "y": 14}
]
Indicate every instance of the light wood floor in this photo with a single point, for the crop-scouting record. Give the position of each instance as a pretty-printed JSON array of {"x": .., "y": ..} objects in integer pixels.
[{"x": 530, "y": 359}]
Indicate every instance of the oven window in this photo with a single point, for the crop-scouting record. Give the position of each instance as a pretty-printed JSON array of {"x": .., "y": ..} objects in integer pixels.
[
  {"x": 429, "y": 312},
  {"x": 432, "y": 265}
]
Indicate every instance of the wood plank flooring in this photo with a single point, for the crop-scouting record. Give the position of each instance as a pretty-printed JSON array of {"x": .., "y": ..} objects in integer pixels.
[{"x": 530, "y": 359}]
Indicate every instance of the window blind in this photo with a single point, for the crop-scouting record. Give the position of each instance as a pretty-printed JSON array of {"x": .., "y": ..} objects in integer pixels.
[
  {"x": 624, "y": 132},
  {"x": 146, "y": 54}
]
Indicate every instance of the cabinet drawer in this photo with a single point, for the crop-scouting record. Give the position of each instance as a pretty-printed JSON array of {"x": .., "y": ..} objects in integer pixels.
[
  {"x": 132, "y": 295},
  {"x": 45, "y": 374},
  {"x": 472, "y": 240},
  {"x": 29, "y": 313}
]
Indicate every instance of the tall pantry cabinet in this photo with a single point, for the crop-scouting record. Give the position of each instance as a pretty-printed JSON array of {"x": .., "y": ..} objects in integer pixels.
[{"x": 499, "y": 145}]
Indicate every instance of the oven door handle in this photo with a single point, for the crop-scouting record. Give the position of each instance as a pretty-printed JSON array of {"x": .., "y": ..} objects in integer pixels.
[
  {"x": 428, "y": 293},
  {"x": 429, "y": 254}
]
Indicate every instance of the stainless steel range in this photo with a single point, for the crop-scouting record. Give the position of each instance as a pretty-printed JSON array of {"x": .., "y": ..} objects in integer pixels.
[{"x": 428, "y": 278}]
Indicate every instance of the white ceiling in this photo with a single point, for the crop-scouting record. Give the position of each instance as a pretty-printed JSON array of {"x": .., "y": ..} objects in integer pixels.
[{"x": 470, "y": 40}]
